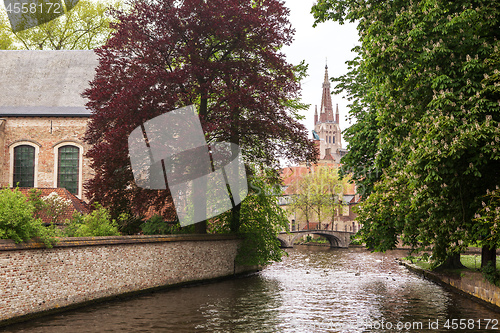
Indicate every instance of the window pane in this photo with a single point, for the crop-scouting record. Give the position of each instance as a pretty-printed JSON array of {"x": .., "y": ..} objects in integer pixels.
[
  {"x": 24, "y": 166},
  {"x": 67, "y": 173}
]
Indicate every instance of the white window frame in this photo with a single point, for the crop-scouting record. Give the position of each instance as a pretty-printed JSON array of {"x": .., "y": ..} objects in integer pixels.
[
  {"x": 11, "y": 156},
  {"x": 80, "y": 163}
]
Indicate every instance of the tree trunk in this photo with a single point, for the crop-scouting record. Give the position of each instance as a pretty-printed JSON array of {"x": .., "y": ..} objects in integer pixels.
[
  {"x": 452, "y": 262},
  {"x": 200, "y": 227},
  {"x": 235, "y": 218},
  {"x": 488, "y": 255}
]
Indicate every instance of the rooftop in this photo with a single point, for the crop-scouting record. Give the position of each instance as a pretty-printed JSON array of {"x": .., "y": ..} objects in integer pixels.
[
  {"x": 45, "y": 82},
  {"x": 75, "y": 203}
]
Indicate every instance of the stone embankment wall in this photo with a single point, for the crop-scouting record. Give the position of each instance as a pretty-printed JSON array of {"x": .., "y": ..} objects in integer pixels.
[
  {"x": 34, "y": 279},
  {"x": 469, "y": 283}
]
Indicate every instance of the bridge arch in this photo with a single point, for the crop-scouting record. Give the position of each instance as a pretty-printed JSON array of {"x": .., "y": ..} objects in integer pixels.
[
  {"x": 284, "y": 243},
  {"x": 336, "y": 238},
  {"x": 334, "y": 241}
]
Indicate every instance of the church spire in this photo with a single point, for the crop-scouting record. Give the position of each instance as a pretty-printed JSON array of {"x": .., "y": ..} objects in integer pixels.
[{"x": 326, "y": 109}]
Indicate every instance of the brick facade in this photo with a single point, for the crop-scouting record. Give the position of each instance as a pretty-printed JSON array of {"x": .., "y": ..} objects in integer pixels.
[{"x": 46, "y": 133}]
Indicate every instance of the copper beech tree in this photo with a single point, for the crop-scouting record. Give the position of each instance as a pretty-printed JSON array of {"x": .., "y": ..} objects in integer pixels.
[{"x": 224, "y": 57}]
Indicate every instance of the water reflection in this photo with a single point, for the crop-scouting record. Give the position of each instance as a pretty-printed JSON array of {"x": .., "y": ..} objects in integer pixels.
[{"x": 315, "y": 289}]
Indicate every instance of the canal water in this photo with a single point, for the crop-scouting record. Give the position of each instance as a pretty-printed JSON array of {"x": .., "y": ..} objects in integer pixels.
[{"x": 314, "y": 289}]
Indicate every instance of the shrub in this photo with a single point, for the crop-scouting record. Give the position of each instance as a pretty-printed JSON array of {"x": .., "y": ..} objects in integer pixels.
[
  {"x": 490, "y": 272},
  {"x": 52, "y": 207},
  {"x": 156, "y": 225},
  {"x": 97, "y": 223},
  {"x": 129, "y": 224},
  {"x": 17, "y": 220}
]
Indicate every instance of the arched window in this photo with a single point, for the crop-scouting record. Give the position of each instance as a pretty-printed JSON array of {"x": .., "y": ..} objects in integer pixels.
[
  {"x": 68, "y": 168},
  {"x": 24, "y": 166}
]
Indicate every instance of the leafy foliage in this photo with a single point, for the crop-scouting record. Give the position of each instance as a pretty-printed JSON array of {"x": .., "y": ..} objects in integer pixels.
[
  {"x": 491, "y": 273},
  {"x": 129, "y": 224},
  {"x": 156, "y": 225},
  {"x": 97, "y": 223},
  {"x": 261, "y": 220},
  {"x": 424, "y": 91},
  {"x": 55, "y": 206},
  {"x": 222, "y": 56},
  {"x": 17, "y": 221},
  {"x": 487, "y": 220},
  {"x": 86, "y": 26}
]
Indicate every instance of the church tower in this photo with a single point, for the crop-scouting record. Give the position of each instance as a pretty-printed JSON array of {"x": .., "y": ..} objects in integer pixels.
[{"x": 326, "y": 125}]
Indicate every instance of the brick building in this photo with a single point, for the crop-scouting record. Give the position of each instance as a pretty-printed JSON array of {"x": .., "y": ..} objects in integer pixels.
[
  {"x": 344, "y": 219},
  {"x": 43, "y": 119}
]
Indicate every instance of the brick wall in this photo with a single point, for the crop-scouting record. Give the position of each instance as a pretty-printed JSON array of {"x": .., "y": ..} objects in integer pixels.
[
  {"x": 46, "y": 133},
  {"x": 35, "y": 279}
]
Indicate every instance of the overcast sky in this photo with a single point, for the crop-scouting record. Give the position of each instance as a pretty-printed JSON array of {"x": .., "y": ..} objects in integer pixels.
[{"x": 314, "y": 45}]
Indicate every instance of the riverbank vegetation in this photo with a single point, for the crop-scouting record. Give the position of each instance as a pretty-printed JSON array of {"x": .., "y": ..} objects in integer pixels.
[
  {"x": 168, "y": 54},
  {"x": 424, "y": 151}
]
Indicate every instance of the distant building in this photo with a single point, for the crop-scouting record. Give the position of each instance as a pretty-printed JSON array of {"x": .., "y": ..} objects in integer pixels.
[
  {"x": 343, "y": 219},
  {"x": 327, "y": 131},
  {"x": 43, "y": 119},
  {"x": 327, "y": 134}
]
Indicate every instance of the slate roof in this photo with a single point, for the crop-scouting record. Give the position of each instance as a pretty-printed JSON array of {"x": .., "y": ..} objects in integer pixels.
[{"x": 45, "y": 82}]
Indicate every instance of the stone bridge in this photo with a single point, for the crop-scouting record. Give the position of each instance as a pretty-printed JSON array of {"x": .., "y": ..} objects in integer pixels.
[{"x": 336, "y": 238}]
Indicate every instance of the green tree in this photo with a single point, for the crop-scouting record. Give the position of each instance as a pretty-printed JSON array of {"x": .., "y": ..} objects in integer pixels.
[
  {"x": 429, "y": 118},
  {"x": 487, "y": 225},
  {"x": 303, "y": 198},
  {"x": 319, "y": 194},
  {"x": 333, "y": 188},
  {"x": 86, "y": 26}
]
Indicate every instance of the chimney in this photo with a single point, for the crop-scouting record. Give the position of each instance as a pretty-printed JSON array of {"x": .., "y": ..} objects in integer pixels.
[{"x": 316, "y": 115}]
